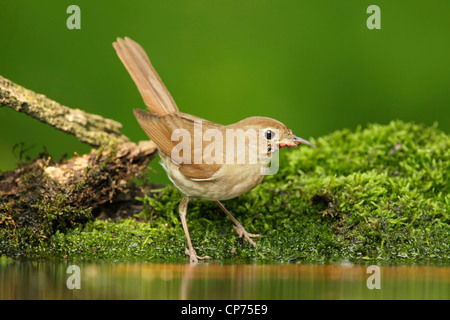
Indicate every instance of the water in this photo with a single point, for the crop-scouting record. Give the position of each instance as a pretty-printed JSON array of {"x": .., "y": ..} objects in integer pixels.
[{"x": 50, "y": 280}]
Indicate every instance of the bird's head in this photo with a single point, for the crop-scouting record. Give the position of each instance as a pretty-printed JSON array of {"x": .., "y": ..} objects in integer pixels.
[{"x": 274, "y": 134}]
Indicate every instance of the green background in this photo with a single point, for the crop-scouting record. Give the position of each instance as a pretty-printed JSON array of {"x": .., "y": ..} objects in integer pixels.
[{"x": 313, "y": 65}]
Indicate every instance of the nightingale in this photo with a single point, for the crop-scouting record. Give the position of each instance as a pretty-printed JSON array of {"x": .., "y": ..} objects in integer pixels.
[{"x": 219, "y": 170}]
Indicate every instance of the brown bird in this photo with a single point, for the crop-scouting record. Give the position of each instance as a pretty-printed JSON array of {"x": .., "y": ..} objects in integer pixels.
[{"x": 218, "y": 170}]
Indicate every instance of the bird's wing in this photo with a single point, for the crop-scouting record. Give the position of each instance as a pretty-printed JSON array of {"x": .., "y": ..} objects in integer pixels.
[
  {"x": 152, "y": 89},
  {"x": 162, "y": 130}
]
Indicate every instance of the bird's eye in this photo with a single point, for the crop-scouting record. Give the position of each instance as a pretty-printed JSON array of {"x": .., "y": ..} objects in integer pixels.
[{"x": 269, "y": 134}]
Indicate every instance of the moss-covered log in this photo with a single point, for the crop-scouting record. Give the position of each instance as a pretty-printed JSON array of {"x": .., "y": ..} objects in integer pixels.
[{"x": 44, "y": 196}]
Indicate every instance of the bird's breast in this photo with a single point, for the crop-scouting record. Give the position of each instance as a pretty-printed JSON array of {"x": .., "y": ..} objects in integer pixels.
[{"x": 230, "y": 181}]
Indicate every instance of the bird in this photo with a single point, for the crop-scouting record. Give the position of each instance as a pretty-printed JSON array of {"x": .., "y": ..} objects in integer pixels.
[{"x": 236, "y": 159}]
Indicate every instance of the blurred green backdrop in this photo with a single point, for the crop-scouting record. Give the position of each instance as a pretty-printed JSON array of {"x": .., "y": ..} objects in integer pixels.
[{"x": 313, "y": 65}]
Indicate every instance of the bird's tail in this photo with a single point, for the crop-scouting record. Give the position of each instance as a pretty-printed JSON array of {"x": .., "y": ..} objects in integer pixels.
[{"x": 152, "y": 89}]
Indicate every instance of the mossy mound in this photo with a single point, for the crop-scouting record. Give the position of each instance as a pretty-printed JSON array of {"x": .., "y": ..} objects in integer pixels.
[{"x": 379, "y": 192}]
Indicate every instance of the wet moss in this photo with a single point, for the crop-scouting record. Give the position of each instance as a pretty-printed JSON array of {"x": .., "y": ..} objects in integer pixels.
[
  {"x": 373, "y": 193},
  {"x": 35, "y": 209}
]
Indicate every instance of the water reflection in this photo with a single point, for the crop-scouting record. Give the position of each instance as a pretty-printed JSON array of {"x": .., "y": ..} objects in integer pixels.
[{"x": 47, "y": 280}]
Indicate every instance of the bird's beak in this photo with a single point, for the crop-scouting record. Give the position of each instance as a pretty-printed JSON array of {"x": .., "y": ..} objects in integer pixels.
[{"x": 294, "y": 142}]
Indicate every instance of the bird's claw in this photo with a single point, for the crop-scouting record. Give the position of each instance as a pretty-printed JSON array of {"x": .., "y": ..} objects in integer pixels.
[
  {"x": 243, "y": 233},
  {"x": 193, "y": 257}
]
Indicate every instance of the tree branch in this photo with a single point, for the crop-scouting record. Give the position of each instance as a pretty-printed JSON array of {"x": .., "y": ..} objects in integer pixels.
[{"x": 88, "y": 128}]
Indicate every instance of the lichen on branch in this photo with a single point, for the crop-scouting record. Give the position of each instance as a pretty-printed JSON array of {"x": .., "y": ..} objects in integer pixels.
[{"x": 88, "y": 128}]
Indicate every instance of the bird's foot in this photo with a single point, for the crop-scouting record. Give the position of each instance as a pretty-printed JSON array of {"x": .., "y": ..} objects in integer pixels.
[
  {"x": 243, "y": 233},
  {"x": 193, "y": 257}
]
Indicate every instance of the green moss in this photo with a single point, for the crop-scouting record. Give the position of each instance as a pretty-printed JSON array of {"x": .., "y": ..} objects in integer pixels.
[
  {"x": 379, "y": 192},
  {"x": 32, "y": 216}
]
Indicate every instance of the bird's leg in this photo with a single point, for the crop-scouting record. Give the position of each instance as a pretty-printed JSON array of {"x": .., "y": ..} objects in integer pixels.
[
  {"x": 238, "y": 227},
  {"x": 191, "y": 252}
]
